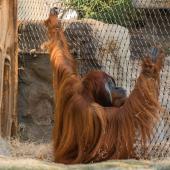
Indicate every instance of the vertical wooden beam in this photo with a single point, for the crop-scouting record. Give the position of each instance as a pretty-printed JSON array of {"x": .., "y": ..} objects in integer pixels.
[{"x": 8, "y": 67}]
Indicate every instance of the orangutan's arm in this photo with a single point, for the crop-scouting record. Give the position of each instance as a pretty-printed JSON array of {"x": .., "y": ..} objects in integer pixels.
[
  {"x": 143, "y": 101},
  {"x": 139, "y": 112},
  {"x": 63, "y": 63}
]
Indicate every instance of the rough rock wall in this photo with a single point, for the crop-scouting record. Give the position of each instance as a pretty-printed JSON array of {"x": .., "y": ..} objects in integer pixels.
[
  {"x": 35, "y": 102},
  {"x": 151, "y": 3}
]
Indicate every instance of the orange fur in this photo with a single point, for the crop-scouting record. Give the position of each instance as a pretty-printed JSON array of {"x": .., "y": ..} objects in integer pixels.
[{"x": 86, "y": 132}]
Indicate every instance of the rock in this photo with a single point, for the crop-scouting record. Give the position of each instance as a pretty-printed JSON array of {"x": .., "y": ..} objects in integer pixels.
[
  {"x": 113, "y": 48},
  {"x": 30, "y": 36},
  {"x": 101, "y": 46},
  {"x": 83, "y": 45},
  {"x": 35, "y": 102},
  {"x": 151, "y": 4},
  {"x": 34, "y": 10},
  {"x": 68, "y": 14},
  {"x": 4, "y": 148}
]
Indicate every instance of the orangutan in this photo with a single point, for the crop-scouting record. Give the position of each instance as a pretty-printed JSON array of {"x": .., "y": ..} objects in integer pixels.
[{"x": 86, "y": 131}]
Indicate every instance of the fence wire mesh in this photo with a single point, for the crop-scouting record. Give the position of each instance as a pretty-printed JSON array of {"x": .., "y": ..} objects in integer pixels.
[{"x": 108, "y": 35}]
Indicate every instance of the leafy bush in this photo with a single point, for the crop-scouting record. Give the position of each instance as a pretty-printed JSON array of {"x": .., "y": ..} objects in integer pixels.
[{"x": 111, "y": 11}]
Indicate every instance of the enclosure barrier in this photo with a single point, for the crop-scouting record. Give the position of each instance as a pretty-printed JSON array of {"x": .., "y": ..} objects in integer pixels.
[{"x": 112, "y": 37}]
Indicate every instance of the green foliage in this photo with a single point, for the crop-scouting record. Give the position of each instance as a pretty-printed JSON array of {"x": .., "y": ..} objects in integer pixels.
[{"x": 111, "y": 11}]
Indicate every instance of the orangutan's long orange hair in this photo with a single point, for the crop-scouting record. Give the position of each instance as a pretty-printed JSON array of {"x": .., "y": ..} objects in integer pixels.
[{"x": 86, "y": 132}]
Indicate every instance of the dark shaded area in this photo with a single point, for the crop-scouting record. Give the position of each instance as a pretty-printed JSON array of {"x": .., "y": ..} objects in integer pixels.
[
  {"x": 35, "y": 102},
  {"x": 153, "y": 28},
  {"x": 83, "y": 46}
]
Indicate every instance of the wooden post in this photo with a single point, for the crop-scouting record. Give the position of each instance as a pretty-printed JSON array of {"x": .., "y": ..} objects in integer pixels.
[{"x": 8, "y": 67}]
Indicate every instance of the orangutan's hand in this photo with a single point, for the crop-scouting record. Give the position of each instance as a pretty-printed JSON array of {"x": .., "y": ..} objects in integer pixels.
[{"x": 153, "y": 63}]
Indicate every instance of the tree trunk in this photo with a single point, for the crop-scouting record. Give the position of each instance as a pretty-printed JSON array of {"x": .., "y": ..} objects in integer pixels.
[{"x": 8, "y": 67}]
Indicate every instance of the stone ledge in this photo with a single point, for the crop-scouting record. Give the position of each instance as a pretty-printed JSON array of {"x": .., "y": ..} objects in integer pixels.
[
  {"x": 151, "y": 4},
  {"x": 7, "y": 163}
]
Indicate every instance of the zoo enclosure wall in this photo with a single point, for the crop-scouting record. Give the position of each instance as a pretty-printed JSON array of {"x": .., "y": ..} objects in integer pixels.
[{"x": 113, "y": 39}]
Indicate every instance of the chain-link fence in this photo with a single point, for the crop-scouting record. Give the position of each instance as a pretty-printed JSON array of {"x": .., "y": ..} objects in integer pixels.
[{"x": 108, "y": 35}]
